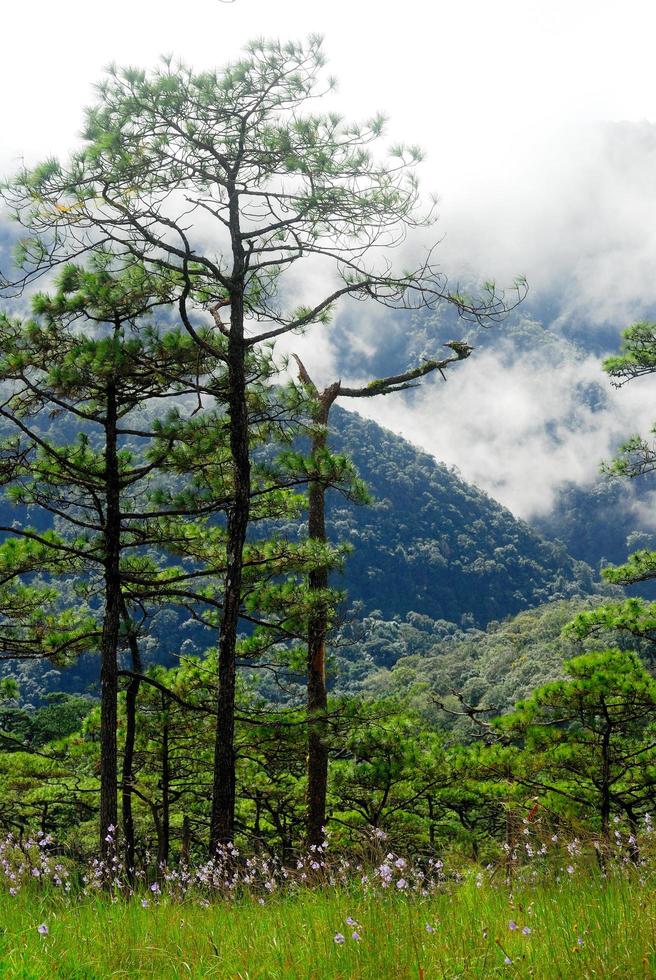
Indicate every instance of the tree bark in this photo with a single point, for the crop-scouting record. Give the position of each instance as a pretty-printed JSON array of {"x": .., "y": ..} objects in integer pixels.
[
  {"x": 605, "y": 787},
  {"x": 164, "y": 836},
  {"x": 317, "y": 695},
  {"x": 127, "y": 782},
  {"x": 186, "y": 841},
  {"x": 110, "y": 634},
  {"x": 222, "y": 817}
]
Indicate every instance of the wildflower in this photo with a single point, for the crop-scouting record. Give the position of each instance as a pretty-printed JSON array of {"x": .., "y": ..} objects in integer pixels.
[
  {"x": 508, "y": 961},
  {"x": 555, "y": 838},
  {"x": 579, "y": 941},
  {"x": 429, "y": 929},
  {"x": 339, "y": 938},
  {"x": 356, "y": 936},
  {"x": 401, "y": 884},
  {"x": 351, "y": 922},
  {"x": 155, "y": 889},
  {"x": 42, "y": 929},
  {"x": 512, "y": 925},
  {"x": 385, "y": 873},
  {"x": 144, "y": 903},
  {"x": 526, "y": 931},
  {"x": 400, "y": 863},
  {"x": 570, "y": 869}
]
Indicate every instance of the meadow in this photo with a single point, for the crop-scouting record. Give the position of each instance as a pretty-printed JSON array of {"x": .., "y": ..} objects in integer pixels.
[{"x": 579, "y": 926}]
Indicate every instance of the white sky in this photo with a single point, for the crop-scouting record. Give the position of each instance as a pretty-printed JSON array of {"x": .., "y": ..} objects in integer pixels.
[
  {"x": 462, "y": 78},
  {"x": 506, "y": 96}
]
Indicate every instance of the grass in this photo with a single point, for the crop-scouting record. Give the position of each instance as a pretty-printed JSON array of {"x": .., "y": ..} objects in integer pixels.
[{"x": 293, "y": 936}]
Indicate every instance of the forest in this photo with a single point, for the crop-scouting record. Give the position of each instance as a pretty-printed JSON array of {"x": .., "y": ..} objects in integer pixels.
[{"x": 257, "y": 651}]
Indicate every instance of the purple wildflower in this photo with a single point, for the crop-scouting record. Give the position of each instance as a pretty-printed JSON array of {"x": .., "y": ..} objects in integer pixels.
[
  {"x": 339, "y": 939},
  {"x": 42, "y": 929}
]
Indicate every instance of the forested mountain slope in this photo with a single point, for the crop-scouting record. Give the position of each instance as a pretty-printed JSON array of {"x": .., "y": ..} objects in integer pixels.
[
  {"x": 490, "y": 669},
  {"x": 603, "y": 522},
  {"x": 432, "y": 544}
]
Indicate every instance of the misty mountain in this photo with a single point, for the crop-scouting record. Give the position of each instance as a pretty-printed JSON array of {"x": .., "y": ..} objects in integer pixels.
[
  {"x": 433, "y": 544},
  {"x": 529, "y": 418}
]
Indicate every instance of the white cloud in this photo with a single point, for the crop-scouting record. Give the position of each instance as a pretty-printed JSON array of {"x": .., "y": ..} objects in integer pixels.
[
  {"x": 517, "y": 428},
  {"x": 575, "y": 213}
]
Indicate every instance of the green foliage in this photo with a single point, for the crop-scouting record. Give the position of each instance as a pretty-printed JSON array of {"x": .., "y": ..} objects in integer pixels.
[
  {"x": 637, "y": 354},
  {"x": 586, "y": 742},
  {"x": 632, "y": 617},
  {"x": 427, "y": 661}
]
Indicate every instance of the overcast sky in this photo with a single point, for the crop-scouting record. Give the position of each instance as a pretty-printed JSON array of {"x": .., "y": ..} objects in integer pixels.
[{"x": 537, "y": 119}]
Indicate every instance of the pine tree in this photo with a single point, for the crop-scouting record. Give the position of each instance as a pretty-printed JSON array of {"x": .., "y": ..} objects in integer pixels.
[
  {"x": 95, "y": 487},
  {"x": 220, "y": 182}
]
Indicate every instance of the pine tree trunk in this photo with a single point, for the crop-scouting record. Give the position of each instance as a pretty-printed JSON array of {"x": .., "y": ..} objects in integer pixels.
[
  {"x": 164, "y": 840},
  {"x": 605, "y": 788},
  {"x": 186, "y": 841},
  {"x": 222, "y": 819},
  {"x": 110, "y": 634},
  {"x": 317, "y": 696},
  {"x": 131, "y": 696}
]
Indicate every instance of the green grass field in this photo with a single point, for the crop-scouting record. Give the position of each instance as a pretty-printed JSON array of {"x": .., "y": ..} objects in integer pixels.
[{"x": 585, "y": 928}]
